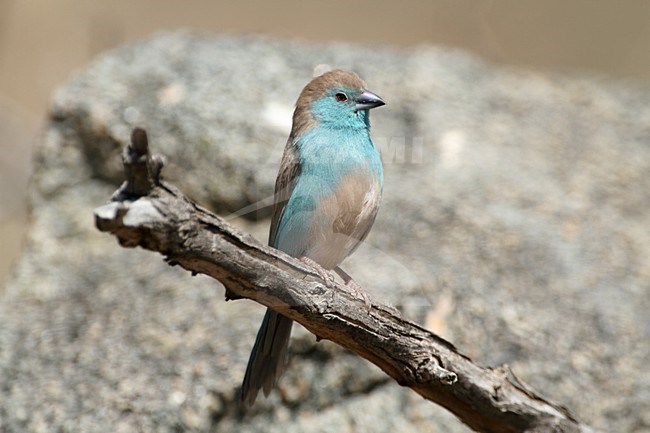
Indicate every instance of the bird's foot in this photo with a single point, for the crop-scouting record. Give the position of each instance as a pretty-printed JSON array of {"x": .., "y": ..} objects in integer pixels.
[
  {"x": 323, "y": 273},
  {"x": 360, "y": 293},
  {"x": 354, "y": 286}
]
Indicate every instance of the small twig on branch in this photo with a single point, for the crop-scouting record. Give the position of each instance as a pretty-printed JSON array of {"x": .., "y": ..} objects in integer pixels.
[{"x": 148, "y": 213}]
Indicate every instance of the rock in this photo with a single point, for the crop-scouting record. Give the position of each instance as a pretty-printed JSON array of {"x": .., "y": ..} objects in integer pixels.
[
  {"x": 515, "y": 223},
  {"x": 16, "y": 135}
]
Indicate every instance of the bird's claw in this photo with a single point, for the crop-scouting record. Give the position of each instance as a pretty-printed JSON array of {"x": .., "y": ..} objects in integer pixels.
[
  {"x": 359, "y": 292},
  {"x": 323, "y": 273},
  {"x": 330, "y": 280},
  {"x": 354, "y": 286}
]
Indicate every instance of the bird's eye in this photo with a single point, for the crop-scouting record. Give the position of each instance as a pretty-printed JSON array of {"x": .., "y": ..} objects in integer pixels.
[{"x": 341, "y": 97}]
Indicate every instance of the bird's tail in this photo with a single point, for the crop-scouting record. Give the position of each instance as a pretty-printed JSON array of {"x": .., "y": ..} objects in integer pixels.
[{"x": 267, "y": 361}]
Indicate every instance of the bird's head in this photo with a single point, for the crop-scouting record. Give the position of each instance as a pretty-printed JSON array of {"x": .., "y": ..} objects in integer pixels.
[{"x": 336, "y": 99}]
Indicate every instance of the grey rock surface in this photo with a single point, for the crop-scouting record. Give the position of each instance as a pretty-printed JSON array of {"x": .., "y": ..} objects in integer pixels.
[{"x": 516, "y": 223}]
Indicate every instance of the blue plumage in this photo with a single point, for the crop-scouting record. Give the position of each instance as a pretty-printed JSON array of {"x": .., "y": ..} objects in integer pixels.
[
  {"x": 327, "y": 158},
  {"x": 327, "y": 196}
]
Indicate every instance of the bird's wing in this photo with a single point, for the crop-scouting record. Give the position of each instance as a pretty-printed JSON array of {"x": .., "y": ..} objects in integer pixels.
[
  {"x": 358, "y": 203},
  {"x": 284, "y": 185},
  {"x": 363, "y": 230}
]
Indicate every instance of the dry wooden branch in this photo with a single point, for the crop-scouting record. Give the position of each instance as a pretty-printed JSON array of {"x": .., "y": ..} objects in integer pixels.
[{"x": 148, "y": 213}]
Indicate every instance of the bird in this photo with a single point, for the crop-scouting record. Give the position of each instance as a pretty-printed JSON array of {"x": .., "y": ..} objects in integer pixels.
[{"x": 326, "y": 199}]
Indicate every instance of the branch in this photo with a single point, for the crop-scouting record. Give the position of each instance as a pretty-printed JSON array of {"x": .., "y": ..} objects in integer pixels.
[{"x": 148, "y": 213}]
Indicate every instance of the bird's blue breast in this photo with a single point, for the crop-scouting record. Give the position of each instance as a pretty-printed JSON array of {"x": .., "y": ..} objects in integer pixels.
[{"x": 327, "y": 157}]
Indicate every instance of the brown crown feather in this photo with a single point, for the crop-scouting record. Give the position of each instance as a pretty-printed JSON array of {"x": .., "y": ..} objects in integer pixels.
[{"x": 303, "y": 119}]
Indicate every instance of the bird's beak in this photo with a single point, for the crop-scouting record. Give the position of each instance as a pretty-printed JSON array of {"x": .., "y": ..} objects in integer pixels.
[{"x": 368, "y": 100}]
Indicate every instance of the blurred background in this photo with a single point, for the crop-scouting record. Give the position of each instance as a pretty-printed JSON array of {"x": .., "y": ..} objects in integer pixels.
[{"x": 43, "y": 42}]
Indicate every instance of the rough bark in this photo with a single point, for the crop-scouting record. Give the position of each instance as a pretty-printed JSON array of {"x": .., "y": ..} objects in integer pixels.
[{"x": 149, "y": 213}]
